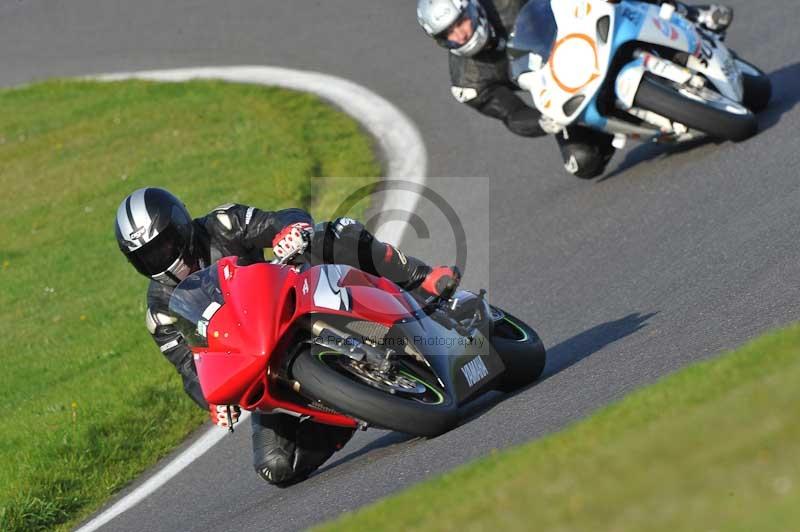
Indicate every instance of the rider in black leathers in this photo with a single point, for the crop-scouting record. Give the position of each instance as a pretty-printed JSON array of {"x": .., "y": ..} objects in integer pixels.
[
  {"x": 480, "y": 77},
  {"x": 157, "y": 235}
]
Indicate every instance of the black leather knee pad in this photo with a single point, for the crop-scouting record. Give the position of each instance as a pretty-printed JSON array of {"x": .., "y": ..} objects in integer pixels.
[
  {"x": 586, "y": 153},
  {"x": 583, "y": 161},
  {"x": 275, "y": 467},
  {"x": 274, "y": 446}
]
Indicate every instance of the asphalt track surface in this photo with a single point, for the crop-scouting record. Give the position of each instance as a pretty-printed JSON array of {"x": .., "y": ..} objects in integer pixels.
[{"x": 672, "y": 257}]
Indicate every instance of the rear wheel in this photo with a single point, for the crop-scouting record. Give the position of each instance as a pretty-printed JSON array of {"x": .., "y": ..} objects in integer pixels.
[
  {"x": 701, "y": 109},
  {"x": 404, "y": 402},
  {"x": 520, "y": 349}
]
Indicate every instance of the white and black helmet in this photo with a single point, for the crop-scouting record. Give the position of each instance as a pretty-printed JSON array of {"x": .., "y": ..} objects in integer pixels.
[
  {"x": 154, "y": 231},
  {"x": 437, "y": 16}
]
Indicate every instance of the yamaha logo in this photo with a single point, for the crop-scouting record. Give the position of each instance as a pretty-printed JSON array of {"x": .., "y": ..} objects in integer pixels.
[{"x": 474, "y": 370}]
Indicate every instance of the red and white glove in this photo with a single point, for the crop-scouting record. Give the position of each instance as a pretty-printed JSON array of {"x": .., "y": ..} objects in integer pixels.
[
  {"x": 219, "y": 415},
  {"x": 293, "y": 239}
]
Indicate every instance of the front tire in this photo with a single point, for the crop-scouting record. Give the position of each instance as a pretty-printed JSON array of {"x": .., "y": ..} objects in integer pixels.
[
  {"x": 757, "y": 86},
  {"x": 705, "y": 111},
  {"x": 521, "y": 350},
  {"x": 342, "y": 392}
]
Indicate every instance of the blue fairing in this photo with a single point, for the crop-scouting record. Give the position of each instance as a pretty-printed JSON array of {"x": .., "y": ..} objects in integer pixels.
[
  {"x": 688, "y": 30},
  {"x": 592, "y": 117},
  {"x": 628, "y": 23},
  {"x": 630, "y": 18}
]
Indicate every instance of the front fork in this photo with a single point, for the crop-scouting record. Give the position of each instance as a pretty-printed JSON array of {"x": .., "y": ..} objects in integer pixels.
[{"x": 630, "y": 78}]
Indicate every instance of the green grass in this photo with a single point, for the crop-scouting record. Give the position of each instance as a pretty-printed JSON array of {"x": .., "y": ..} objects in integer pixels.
[
  {"x": 714, "y": 447},
  {"x": 88, "y": 401}
]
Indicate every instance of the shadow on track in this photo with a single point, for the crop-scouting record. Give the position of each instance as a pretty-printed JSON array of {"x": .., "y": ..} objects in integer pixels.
[
  {"x": 565, "y": 354},
  {"x": 785, "y": 95},
  {"x": 573, "y": 350},
  {"x": 652, "y": 151},
  {"x": 387, "y": 440}
]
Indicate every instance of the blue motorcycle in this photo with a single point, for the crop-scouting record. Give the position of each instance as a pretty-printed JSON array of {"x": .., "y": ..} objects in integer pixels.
[{"x": 633, "y": 70}]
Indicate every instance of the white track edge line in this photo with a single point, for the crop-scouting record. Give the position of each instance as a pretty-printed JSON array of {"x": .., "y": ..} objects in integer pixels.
[{"x": 406, "y": 159}]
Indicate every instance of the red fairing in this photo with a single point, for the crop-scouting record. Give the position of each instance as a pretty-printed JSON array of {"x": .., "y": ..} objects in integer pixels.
[
  {"x": 262, "y": 302},
  {"x": 242, "y": 333}
]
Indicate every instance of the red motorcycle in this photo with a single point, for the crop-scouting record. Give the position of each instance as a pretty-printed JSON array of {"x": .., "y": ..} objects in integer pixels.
[{"x": 336, "y": 345}]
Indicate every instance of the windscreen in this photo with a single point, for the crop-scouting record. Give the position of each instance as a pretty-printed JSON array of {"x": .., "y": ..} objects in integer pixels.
[
  {"x": 194, "y": 302},
  {"x": 534, "y": 33}
]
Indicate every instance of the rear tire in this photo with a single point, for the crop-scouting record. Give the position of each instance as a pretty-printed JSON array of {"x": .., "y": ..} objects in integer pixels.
[
  {"x": 521, "y": 350},
  {"x": 369, "y": 404},
  {"x": 718, "y": 119}
]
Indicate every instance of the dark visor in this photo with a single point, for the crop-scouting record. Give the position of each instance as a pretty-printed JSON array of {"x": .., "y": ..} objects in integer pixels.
[{"x": 158, "y": 254}]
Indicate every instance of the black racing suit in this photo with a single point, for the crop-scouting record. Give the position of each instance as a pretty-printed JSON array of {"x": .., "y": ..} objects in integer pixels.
[
  {"x": 483, "y": 83},
  {"x": 284, "y": 449}
]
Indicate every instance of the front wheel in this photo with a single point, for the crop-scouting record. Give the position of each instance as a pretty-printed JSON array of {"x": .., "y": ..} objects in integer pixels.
[
  {"x": 757, "y": 86},
  {"x": 520, "y": 349},
  {"x": 404, "y": 402},
  {"x": 701, "y": 109}
]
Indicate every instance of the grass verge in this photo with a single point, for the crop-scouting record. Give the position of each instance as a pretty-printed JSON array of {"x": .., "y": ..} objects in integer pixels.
[
  {"x": 713, "y": 447},
  {"x": 88, "y": 401}
]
